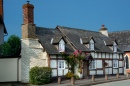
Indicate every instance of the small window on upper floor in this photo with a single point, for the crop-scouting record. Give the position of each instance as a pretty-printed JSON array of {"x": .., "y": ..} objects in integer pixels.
[
  {"x": 91, "y": 44},
  {"x": 115, "y": 47},
  {"x": 61, "y": 46}
]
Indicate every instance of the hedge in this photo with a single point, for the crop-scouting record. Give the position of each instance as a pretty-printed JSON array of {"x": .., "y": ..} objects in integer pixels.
[{"x": 40, "y": 75}]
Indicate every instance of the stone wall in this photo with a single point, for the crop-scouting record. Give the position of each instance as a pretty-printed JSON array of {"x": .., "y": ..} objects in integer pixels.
[{"x": 32, "y": 55}]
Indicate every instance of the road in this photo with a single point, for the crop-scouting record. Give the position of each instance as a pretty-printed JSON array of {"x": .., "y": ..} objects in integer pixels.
[{"x": 117, "y": 83}]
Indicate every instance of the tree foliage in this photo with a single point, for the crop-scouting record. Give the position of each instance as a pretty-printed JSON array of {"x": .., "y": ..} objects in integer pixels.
[
  {"x": 15, "y": 43},
  {"x": 11, "y": 47},
  {"x": 5, "y": 49}
]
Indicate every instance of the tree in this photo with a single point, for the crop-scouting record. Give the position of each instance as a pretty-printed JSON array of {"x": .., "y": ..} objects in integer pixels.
[
  {"x": 5, "y": 49},
  {"x": 12, "y": 47},
  {"x": 15, "y": 43}
]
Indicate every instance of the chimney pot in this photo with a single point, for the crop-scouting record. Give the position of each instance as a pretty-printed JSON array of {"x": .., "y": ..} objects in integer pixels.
[
  {"x": 28, "y": 16},
  {"x": 103, "y": 26},
  {"x": 28, "y": 2}
]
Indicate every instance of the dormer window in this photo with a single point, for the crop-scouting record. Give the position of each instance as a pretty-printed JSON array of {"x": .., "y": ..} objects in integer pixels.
[
  {"x": 91, "y": 44},
  {"x": 61, "y": 46},
  {"x": 115, "y": 47}
]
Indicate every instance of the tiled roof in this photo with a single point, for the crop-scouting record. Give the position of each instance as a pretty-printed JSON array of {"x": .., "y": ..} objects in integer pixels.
[
  {"x": 122, "y": 38},
  {"x": 45, "y": 36},
  {"x": 72, "y": 38}
]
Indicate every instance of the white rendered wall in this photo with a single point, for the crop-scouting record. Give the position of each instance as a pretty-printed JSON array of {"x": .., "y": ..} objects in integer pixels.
[
  {"x": 8, "y": 70},
  {"x": 32, "y": 55}
]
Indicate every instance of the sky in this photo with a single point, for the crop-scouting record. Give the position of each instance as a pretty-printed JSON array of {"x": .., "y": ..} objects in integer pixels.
[{"x": 82, "y": 14}]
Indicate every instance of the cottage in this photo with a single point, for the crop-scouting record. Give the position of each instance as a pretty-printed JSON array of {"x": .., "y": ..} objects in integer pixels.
[
  {"x": 123, "y": 39},
  {"x": 43, "y": 47},
  {"x": 2, "y": 25}
]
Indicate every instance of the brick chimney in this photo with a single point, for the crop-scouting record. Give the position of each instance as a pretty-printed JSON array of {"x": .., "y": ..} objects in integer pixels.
[
  {"x": 1, "y": 8},
  {"x": 28, "y": 27},
  {"x": 103, "y": 30},
  {"x": 28, "y": 13}
]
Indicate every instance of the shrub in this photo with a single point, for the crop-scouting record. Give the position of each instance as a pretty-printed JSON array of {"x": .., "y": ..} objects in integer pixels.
[
  {"x": 40, "y": 75},
  {"x": 76, "y": 76},
  {"x": 69, "y": 75}
]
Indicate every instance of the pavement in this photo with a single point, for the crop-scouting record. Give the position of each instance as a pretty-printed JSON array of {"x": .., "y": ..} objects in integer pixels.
[{"x": 81, "y": 82}]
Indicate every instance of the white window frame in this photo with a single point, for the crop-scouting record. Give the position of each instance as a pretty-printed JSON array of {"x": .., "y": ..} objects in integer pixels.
[
  {"x": 92, "y": 65},
  {"x": 91, "y": 45},
  {"x": 61, "y": 64},
  {"x": 115, "y": 47},
  {"x": 61, "y": 46},
  {"x": 115, "y": 63}
]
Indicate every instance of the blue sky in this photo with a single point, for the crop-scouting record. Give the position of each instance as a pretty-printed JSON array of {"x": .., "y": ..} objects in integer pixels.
[{"x": 83, "y": 14}]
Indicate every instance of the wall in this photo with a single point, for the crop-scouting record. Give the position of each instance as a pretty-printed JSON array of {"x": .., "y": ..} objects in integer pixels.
[
  {"x": 9, "y": 69},
  {"x": 32, "y": 55},
  {"x": 1, "y": 34},
  {"x": 100, "y": 58},
  {"x": 128, "y": 55},
  {"x": 54, "y": 64}
]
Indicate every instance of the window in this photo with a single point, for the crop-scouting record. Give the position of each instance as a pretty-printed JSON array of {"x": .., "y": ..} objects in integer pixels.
[
  {"x": 92, "y": 65},
  {"x": 61, "y": 46},
  {"x": 91, "y": 45},
  {"x": 126, "y": 62},
  {"x": 114, "y": 47},
  {"x": 61, "y": 64},
  {"x": 115, "y": 63}
]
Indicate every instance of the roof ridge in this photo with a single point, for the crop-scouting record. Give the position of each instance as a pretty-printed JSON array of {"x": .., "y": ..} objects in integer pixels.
[
  {"x": 64, "y": 27},
  {"x": 123, "y": 31},
  {"x": 44, "y": 27}
]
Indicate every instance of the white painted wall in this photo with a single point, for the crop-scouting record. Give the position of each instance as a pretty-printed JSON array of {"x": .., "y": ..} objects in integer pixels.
[
  {"x": 52, "y": 56},
  {"x": 103, "y": 55},
  {"x": 32, "y": 55},
  {"x": 99, "y": 71},
  {"x": 92, "y": 72},
  {"x": 99, "y": 55},
  {"x": 1, "y": 34},
  {"x": 99, "y": 63},
  {"x": 19, "y": 69},
  {"x": 121, "y": 70},
  {"x": 8, "y": 69},
  {"x": 53, "y": 64}
]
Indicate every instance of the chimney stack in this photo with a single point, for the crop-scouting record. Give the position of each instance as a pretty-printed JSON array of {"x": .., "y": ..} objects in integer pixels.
[
  {"x": 28, "y": 15},
  {"x": 28, "y": 26},
  {"x": 1, "y": 8},
  {"x": 103, "y": 30}
]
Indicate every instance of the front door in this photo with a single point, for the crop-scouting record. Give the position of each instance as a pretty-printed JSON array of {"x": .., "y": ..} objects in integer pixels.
[{"x": 85, "y": 69}]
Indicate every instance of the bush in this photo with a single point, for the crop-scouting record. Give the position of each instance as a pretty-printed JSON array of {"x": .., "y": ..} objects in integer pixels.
[
  {"x": 76, "y": 76},
  {"x": 40, "y": 75},
  {"x": 69, "y": 75}
]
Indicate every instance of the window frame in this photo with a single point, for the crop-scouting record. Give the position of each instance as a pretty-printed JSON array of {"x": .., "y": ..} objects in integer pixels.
[
  {"x": 91, "y": 44},
  {"x": 92, "y": 65},
  {"x": 61, "y": 64},
  {"x": 114, "y": 47},
  {"x": 61, "y": 47},
  {"x": 115, "y": 63}
]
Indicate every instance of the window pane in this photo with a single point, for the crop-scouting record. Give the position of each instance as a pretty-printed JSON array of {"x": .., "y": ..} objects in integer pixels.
[
  {"x": 61, "y": 64},
  {"x": 92, "y": 65},
  {"x": 115, "y": 63}
]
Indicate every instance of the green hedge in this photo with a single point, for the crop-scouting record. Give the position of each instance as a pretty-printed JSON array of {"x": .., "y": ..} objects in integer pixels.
[{"x": 40, "y": 75}]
